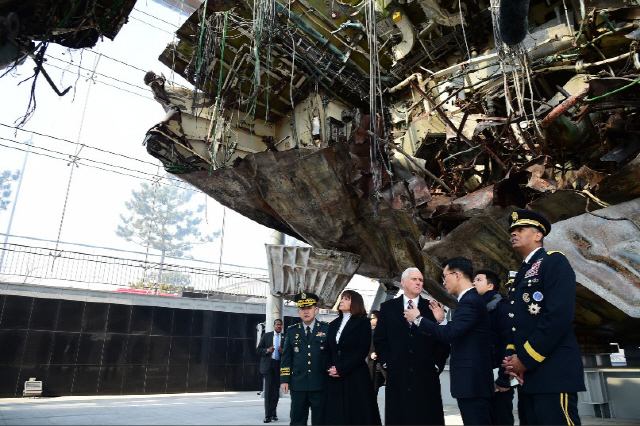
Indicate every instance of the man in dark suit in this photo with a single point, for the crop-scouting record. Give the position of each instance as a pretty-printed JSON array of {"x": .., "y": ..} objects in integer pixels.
[
  {"x": 302, "y": 371},
  {"x": 487, "y": 283},
  {"x": 378, "y": 374},
  {"x": 543, "y": 353},
  {"x": 413, "y": 360},
  {"x": 469, "y": 334},
  {"x": 270, "y": 350}
]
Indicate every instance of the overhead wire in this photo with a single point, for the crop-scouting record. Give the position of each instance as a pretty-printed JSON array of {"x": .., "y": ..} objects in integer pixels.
[
  {"x": 110, "y": 85},
  {"x": 86, "y": 146},
  {"x": 151, "y": 25},
  {"x": 66, "y": 156},
  {"x": 155, "y": 17},
  {"x": 97, "y": 73},
  {"x": 115, "y": 60}
]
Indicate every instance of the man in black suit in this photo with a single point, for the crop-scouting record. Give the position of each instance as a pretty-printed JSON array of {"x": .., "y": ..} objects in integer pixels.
[
  {"x": 487, "y": 284},
  {"x": 413, "y": 360},
  {"x": 270, "y": 350},
  {"x": 543, "y": 352},
  {"x": 469, "y": 334},
  {"x": 378, "y": 374}
]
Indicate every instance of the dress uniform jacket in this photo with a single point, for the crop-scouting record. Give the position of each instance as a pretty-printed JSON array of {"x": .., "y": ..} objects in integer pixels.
[
  {"x": 301, "y": 364},
  {"x": 414, "y": 362},
  {"x": 542, "y": 305}
]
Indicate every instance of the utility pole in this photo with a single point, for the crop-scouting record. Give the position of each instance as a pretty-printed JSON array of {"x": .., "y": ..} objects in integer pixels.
[{"x": 15, "y": 201}]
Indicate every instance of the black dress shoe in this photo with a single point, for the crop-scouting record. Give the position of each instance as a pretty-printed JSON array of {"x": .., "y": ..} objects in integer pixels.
[
  {"x": 267, "y": 420},
  {"x": 274, "y": 418}
]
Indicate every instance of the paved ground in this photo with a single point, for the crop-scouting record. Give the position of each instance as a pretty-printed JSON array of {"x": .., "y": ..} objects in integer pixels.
[{"x": 217, "y": 408}]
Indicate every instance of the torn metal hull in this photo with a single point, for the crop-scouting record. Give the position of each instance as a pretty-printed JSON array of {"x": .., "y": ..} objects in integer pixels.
[{"x": 407, "y": 132}]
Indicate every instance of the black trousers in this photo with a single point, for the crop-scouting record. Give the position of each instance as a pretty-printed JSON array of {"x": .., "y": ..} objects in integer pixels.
[
  {"x": 272, "y": 389},
  {"x": 378, "y": 378},
  {"x": 475, "y": 411},
  {"x": 300, "y": 404},
  {"x": 502, "y": 407},
  {"x": 548, "y": 408}
]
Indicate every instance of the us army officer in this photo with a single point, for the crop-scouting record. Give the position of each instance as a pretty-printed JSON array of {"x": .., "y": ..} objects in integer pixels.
[
  {"x": 301, "y": 369},
  {"x": 543, "y": 353}
]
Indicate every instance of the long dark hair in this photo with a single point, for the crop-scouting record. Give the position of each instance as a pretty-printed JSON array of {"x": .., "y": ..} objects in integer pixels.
[{"x": 357, "y": 304}]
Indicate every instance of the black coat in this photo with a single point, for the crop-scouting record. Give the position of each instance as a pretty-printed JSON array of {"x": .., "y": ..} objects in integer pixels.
[
  {"x": 349, "y": 399},
  {"x": 542, "y": 305},
  {"x": 498, "y": 307},
  {"x": 469, "y": 334},
  {"x": 414, "y": 362},
  {"x": 262, "y": 350}
]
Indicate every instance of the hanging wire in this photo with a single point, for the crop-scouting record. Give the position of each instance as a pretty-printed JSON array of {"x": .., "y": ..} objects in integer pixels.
[
  {"x": 215, "y": 116},
  {"x": 294, "y": 131},
  {"x": 73, "y": 162},
  {"x": 464, "y": 33},
  {"x": 224, "y": 217}
]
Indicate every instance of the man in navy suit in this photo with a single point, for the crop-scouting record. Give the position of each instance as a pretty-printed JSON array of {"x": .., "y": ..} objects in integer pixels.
[
  {"x": 543, "y": 352},
  {"x": 469, "y": 334},
  {"x": 270, "y": 351},
  {"x": 413, "y": 360}
]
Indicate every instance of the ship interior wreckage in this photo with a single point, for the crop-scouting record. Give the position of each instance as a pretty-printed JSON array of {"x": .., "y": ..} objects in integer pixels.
[{"x": 407, "y": 131}]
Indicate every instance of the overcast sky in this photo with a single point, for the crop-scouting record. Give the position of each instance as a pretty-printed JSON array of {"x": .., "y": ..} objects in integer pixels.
[{"x": 110, "y": 118}]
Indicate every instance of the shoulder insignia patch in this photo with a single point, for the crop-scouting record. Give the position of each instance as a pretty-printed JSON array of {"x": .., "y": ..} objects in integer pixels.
[
  {"x": 293, "y": 326},
  {"x": 555, "y": 251}
]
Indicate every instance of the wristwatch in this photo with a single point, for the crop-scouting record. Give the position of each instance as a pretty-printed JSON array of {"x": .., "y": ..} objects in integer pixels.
[{"x": 417, "y": 320}]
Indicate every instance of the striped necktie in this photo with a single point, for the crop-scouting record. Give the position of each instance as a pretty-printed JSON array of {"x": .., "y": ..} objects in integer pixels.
[{"x": 410, "y": 306}]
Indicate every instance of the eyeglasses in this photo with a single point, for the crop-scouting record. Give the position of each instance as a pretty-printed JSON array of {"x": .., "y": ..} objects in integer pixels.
[{"x": 444, "y": 276}]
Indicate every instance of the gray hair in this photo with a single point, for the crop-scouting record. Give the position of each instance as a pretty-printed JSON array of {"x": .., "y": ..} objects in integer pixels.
[{"x": 405, "y": 274}]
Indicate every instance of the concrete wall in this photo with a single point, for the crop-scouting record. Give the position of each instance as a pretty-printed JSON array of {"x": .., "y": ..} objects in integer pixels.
[{"x": 82, "y": 342}]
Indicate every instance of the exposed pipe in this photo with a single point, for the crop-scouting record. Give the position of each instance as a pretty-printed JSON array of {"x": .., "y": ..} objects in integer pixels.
[
  {"x": 406, "y": 82},
  {"x": 571, "y": 101},
  {"x": 309, "y": 30},
  {"x": 580, "y": 65}
]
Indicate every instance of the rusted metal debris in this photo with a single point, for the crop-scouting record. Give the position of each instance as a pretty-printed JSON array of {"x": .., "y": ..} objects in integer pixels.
[
  {"x": 27, "y": 27},
  {"x": 294, "y": 270},
  {"x": 388, "y": 132}
]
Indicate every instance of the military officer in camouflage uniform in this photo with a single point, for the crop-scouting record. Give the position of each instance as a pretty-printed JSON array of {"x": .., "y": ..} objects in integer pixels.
[
  {"x": 301, "y": 370},
  {"x": 543, "y": 352}
]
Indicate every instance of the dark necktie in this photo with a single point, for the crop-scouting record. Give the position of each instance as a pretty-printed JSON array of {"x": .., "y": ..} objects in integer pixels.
[
  {"x": 410, "y": 306},
  {"x": 308, "y": 332}
]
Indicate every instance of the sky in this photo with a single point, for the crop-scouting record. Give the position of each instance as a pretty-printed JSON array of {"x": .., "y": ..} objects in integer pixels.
[
  {"x": 107, "y": 109},
  {"x": 115, "y": 119}
]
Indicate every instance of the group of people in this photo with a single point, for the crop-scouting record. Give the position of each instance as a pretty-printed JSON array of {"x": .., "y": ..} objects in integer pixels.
[{"x": 494, "y": 343}]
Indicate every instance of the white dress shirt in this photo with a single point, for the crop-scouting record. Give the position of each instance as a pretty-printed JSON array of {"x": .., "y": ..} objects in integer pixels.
[
  {"x": 345, "y": 318},
  {"x": 528, "y": 258},
  {"x": 406, "y": 301},
  {"x": 463, "y": 292}
]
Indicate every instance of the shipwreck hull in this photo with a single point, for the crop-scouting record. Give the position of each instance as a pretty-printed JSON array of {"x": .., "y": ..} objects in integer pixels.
[
  {"x": 305, "y": 193},
  {"x": 369, "y": 129}
]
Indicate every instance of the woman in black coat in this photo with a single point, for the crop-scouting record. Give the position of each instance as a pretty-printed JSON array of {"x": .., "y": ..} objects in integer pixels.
[{"x": 349, "y": 398}]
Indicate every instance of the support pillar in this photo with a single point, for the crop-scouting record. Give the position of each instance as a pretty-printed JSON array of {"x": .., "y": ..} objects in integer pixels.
[{"x": 275, "y": 305}]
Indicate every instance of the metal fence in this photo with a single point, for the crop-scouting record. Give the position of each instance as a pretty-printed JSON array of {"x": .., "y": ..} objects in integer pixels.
[{"x": 46, "y": 266}]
